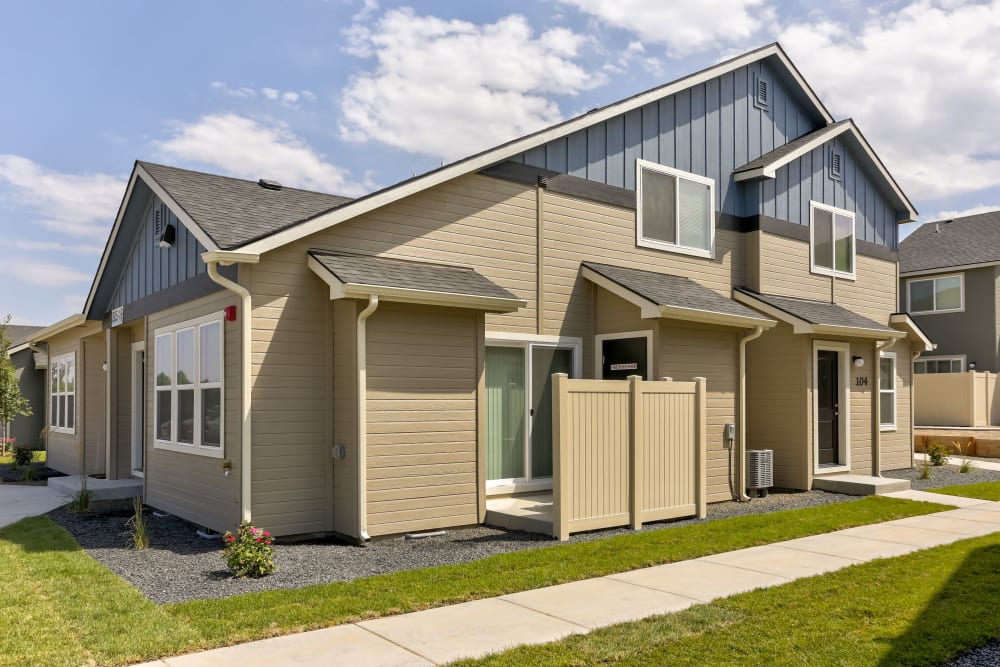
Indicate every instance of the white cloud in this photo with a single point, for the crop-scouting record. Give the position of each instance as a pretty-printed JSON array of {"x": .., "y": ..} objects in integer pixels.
[
  {"x": 287, "y": 98},
  {"x": 975, "y": 210},
  {"x": 43, "y": 274},
  {"x": 246, "y": 148},
  {"x": 449, "y": 88},
  {"x": 51, "y": 246},
  {"x": 683, "y": 26},
  {"x": 923, "y": 84},
  {"x": 74, "y": 204},
  {"x": 270, "y": 93}
]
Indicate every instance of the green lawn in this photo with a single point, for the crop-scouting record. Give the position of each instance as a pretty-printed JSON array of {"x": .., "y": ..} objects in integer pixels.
[
  {"x": 983, "y": 490},
  {"x": 918, "y": 609},
  {"x": 38, "y": 458},
  {"x": 52, "y": 583}
]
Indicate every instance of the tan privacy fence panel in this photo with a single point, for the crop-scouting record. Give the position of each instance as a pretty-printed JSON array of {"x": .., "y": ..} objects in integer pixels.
[
  {"x": 626, "y": 452},
  {"x": 956, "y": 399}
]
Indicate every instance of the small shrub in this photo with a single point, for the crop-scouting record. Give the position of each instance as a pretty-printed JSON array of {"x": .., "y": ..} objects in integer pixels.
[
  {"x": 966, "y": 466},
  {"x": 249, "y": 553},
  {"x": 28, "y": 474},
  {"x": 925, "y": 472},
  {"x": 137, "y": 533},
  {"x": 22, "y": 456},
  {"x": 82, "y": 500},
  {"x": 937, "y": 453}
]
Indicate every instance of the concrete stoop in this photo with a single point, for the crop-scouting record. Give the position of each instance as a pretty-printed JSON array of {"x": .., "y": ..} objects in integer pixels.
[
  {"x": 100, "y": 489},
  {"x": 860, "y": 485},
  {"x": 531, "y": 514}
]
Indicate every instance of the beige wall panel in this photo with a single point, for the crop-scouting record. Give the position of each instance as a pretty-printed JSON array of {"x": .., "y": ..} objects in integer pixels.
[
  {"x": 873, "y": 294},
  {"x": 94, "y": 426},
  {"x": 861, "y": 409},
  {"x": 784, "y": 269},
  {"x": 751, "y": 260},
  {"x": 64, "y": 449},
  {"x": 407, "y": 446},
  {"x": 122, "y": 459},
  {"x": 345, "y": 376},
  {"x": 896, "y": 446},
  {"x": 191, "y": 486},
  {"x": 778, "y": 371}
]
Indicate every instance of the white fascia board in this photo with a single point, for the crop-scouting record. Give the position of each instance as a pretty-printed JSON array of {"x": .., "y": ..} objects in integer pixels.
[
  {"x": 946, "y": 269},
  {"x": 856, "y": 332},
  {"x": 59, "y": 327},
  {"x": 225, "y": 257},
  {"x": 906, "y": 323},
  {"x": 17, "y": 348},
  {"x": 476, "y": 162},
  {"x": 799, "y": 325},
  {"x": 648, "y": 309},
  {"x": 177, "y": 209},
  {"x": 111, "y": 241}
]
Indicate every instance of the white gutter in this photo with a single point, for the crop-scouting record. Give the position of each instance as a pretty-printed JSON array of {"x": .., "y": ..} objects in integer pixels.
[
  {"x": 361, "y": 345},
  {"x": 741, "y": 418},
  {"x": 212, "y": 261},
  {"x": 877, "y": 406}
]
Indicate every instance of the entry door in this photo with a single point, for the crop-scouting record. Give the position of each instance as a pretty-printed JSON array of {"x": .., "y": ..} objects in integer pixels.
[
  {"x": 827, "y": 407},
  {"x": 621, "y": 357},
  {"x": 544, "y": 362},
  {"x": 138, "y": 407}
]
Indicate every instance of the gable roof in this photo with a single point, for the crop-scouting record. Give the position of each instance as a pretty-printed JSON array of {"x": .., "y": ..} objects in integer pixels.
[
  {"x": 934, "y": 247},
  {"x": 811, "y": 316},
  {"x": 666, "y": 295},
  {"x": 19, "y": 333},
  {"x": 767, "y": 165}
]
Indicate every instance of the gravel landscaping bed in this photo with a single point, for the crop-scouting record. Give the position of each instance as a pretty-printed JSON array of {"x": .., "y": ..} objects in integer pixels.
[
  {"x": 984, "y": 656},
  {"x": 181, "y": 566},
  {"x": 947, "y": 475}
]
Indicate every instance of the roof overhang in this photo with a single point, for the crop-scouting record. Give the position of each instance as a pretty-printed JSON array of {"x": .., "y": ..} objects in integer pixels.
[
  {"x": 820, "y": 137},
  {"x": 650, "y": 310},
  {"x": 905, "y": 323},
  {"x": 505, "y": 151},
  {"x": 946, "y": 269},
  {"x": 801, "y": 326},
  {"x": 63, "y": 325},
  {"x": 227, "y": 258},
  {"x": 343, "y": 290}
]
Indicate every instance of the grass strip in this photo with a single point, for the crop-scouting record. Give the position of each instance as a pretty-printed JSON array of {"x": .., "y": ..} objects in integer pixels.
[
  {"x": 94, "y": 617},
  {"x": 923, "y": 608},
  {"x": 983, "y": 490}
]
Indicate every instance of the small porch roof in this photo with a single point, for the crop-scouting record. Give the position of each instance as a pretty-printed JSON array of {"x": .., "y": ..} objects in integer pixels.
[
  {"x": 664, "y": 295},
  {"x": 905, "y": 323},
  {"x": 360, "y": 276},
  {"x": 808, "y": 316}
]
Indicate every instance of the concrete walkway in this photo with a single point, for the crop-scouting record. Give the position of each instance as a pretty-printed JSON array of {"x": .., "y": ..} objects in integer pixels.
[
  {"x": 474, "y": 629},
  {"x": 18, "y": 501}
]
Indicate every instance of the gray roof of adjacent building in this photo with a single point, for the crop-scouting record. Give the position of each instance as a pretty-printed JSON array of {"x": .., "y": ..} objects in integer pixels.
[
  {"x": 19, "y": 333},
  {"x": 965, "y": 241},
  {"x": 822, "y": 313},
  {"x": 235, "y": 211}
]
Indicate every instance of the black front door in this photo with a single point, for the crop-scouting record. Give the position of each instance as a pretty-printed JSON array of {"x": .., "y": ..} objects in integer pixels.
[
  {"x": 827, "y": 407},
  {"x": 623, "y": 357}
]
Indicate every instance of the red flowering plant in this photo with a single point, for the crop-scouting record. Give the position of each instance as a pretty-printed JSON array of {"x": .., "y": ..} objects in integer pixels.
[{"x": 248, "y": 552}]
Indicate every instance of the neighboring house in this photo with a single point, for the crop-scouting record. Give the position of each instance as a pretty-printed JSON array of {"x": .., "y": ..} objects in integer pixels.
[
  {"x": 950, "y": 285},
  {"x": 29, "y": 367},
  {"x": 382, "y": 365}
]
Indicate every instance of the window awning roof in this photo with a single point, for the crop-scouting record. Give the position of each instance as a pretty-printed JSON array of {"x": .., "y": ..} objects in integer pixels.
[
  {"x": 669, "y": 296},
  {"x": 808, "y": 316},
  {"x": 361, "y": 276}
]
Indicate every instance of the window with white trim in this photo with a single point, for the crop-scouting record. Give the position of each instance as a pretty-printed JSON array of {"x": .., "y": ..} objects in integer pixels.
[
  {"x": 887, "y": 391},
  {"x": 940, "y": 294},
  {"x": 675, "y": 211},
  {"x": 188, "y": 386},
  {"x": 939, "y": 365},
  {"x": 62, "y": 393},
  {"x": 831, "y": 241}
]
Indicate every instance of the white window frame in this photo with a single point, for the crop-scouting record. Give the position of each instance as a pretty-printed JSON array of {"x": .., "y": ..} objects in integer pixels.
[
  {"x": 822, "y": 270},
  {"x": 196, "y": 447},
  {"x": 55, "y": 363},
  {"x": 961, "y": 358},
  {"x": 844, "y": 424},
  {"x": 642, "y": 241},
  {"x": 936, "y": 310},
  {"x": 599, "y": 345},
  {"x": 882, "y": 423}
]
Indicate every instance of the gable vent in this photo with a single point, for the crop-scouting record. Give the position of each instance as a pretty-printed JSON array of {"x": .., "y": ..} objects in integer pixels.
[
  {"x": 836, "y": 164},
  {"x": 761, "y": 91},
  {"x": 269, "y": 185}
]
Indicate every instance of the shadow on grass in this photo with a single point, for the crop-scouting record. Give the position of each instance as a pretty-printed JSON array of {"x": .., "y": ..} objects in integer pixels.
[
  {"x": 35, "y": 535},
  {"x": 962, "y": 614}
]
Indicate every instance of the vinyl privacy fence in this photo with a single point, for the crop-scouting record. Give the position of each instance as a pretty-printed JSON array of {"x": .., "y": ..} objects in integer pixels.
[
  {"x": 956, "y": 399},
  {"x": 626, "y": 452}
]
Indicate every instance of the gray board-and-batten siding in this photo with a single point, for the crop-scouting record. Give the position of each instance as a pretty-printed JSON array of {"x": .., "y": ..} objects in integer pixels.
[{"x": 711, "y": 129}]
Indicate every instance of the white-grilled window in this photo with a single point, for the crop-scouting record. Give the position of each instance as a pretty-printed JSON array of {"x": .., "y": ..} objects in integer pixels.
[
  {"x": 939, "y": 365},
  {"x": 675, "y": 211},
  {"x": 887, "y": 391},
  {"x": 62, "y": 393},
  {"x": 940, "y": 294},
  {"x": 188, "y": 385},
  {"x": 831, "y": 241}
]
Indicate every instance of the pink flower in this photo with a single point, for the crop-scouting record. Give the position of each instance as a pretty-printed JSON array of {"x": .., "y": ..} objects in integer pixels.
[
  {"x": 267, "y": 534},
  {"x": 259, "y": 540},
  {"x": 230, "y": 539}
]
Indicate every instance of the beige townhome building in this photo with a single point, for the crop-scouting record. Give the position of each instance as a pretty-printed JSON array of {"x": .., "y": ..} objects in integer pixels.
[{"x": 383, "y": 365}]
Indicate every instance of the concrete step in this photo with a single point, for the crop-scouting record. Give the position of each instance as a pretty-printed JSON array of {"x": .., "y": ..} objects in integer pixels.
[
  {"x": 860, "y": 485},
  {"x": 100, "y": 489},
  {"x": 531, "y": 513}
]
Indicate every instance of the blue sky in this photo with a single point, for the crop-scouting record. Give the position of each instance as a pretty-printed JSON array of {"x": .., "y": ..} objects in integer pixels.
[{"x": 345, "y": 96}]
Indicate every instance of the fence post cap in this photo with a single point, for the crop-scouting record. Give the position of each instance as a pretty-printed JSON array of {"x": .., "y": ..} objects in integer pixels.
[{"x": 665, "y": 379}]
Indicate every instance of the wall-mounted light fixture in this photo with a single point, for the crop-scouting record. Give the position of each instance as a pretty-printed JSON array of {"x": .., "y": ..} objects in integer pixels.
[
  {"x": 972, "y": 365},
  {"x": 859, "y": 362},
  {"x": 104, "y": 367},
  {"x": 167, "y": 237}
]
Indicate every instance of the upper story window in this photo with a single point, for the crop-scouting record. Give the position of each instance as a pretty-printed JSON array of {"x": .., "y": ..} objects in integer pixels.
[
  {"x": 831, "y": 241},
  {"x": 62, "y": 393},
  {"x": 940, "y": 294},
  {"x": 676, "y": 210},
  {"x": 188, "y": 384}
]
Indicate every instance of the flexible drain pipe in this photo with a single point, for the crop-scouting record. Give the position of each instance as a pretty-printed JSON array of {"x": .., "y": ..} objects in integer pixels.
[
  {"x": 877, "y": 406},
  {"x": 741, "y": 419},
  {"x": 245, "y": 439},
  {"x": 361, "y": 344}
]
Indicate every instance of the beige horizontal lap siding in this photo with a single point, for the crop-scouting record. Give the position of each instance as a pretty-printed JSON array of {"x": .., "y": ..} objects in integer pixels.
[
  {"x": 192, "y": 486},
  {"x": 896, "y": 445},
  {"x": 778, "y": 376},
  {"x": 421, "y": 418},
  {"x": 784, "y": 269},
  {"x": 873, "y": 292},
  {"x": 291, "y": 356},
  {"x": 122, "y": 458},
  {"x": 64, "y": 449},
  {"x": 94, "y": 425},
  {"x": 861, "y": 408},
  {"x": 343, "y": 319},
  {"x": 484, "y": 223}
]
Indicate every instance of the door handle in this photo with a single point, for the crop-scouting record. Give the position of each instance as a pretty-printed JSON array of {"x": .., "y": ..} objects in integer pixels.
[{"x": 531, "y": 412}]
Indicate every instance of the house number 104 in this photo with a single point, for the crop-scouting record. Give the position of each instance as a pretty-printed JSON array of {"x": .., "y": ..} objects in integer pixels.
[{"x": 861, "y": 381}]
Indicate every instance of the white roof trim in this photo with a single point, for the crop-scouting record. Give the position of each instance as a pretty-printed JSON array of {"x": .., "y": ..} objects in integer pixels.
[
  {"x": 65, "y": 324},
  {"x": 177, "y": 209},
  {"x": 946, "y": 269},
  {"x": 905, "y": 322},
  {"x": 110, "y": 243},
  {"x": 476, "y": 162}
]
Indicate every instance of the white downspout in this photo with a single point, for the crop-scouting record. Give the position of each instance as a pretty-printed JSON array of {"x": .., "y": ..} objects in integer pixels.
[
  {"x": 741, "y": 419},
  {"x": 362, "y": 457},
  {"x": 877, "y": 406},
  {"x": 245, "y": 435},
  {"x": 913, "y": 407}
]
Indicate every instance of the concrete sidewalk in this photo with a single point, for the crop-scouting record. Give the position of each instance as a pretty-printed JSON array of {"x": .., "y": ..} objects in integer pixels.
[
  {"x": 18, "y": 501},
  {"x": 474, "y": 629}
]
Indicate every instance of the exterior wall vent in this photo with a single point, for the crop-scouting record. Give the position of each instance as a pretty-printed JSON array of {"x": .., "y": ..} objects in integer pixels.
[
  {"x": 269, "y": 184},
  {"x": 761, "y": 91},
  {"x": 836, "y": 164},
  {"x": 760, "y": 470}
]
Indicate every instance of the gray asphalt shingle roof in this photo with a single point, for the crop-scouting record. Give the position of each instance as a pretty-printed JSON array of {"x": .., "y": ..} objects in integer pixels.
[
  {"x": 973, "y": 239},
  {"x": 791, "y": 146},
  {"x": 406, "y": 274},
  {"x": 234, "y": 211},
  {"x": 664, "y": 289},
  {"x": 19, "y": 333},
  {"x": 818, "y": 312}
]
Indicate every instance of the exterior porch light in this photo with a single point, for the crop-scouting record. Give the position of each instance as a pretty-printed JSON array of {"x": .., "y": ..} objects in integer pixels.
[
  {"x": 972, "y": 365},
  {"x": 859, "y": 362}
]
